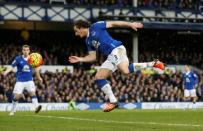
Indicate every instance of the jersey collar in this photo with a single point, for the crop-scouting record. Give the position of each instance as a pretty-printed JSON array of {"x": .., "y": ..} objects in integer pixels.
[
  {"x": 88, "y": 33},
  {"x": 25, "y": 58},
  {"x": 188, "y": 72}
]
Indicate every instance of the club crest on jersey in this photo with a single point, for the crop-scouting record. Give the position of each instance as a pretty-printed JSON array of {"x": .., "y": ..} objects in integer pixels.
[{"x": 95, "y": 43}]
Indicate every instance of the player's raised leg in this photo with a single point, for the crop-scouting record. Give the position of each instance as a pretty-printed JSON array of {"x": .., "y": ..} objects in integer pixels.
[
  {"x": 156, "y": 63},
  {"x": 123, "y": 65},
  {"x": 35, "y": 102},
  {"x": 102, "y": 83},
  {"x": 32, "y": 89},
  {"x": 127, "y": 68},
  {"x": 193, "y": 95}
]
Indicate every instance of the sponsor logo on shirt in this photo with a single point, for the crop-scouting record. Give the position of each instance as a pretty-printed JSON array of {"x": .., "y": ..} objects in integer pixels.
[{"x": 26, "y": 68}]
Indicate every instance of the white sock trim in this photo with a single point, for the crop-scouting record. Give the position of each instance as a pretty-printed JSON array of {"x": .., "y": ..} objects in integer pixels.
[
  {"x": 14, "y": 105},
  {"x": 143, "y": 65},
  {"x": 35, "y": 102},
  {"x": 108, "y": 92}
]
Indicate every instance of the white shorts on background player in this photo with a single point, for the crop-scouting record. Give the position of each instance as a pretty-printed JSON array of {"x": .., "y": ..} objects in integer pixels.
[
  {"x": 21, "y": 86},
  {"x": 190, "y": 93},
  {"x": 117, "y": 56}
]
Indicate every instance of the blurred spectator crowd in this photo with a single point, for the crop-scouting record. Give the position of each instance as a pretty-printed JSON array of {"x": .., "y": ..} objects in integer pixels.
[
  {"x": 170, "y": 47},
  {"x": 171, "y": 4},
  {"x": 80, "y": 87},
  {"x": 58, "y": 56},
  {"x": 120, "y": 3},
  {"x": 173, "y": 48},
  {"x": 9, "y": 51},
  {"x": 167, "y": 4}
]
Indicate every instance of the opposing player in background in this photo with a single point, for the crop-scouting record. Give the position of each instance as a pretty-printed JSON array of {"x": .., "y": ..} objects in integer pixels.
[
  {"x": 24, "y": 79},
  {"x": 99, "y": 40},
  {"x": 190, "y": 81}
]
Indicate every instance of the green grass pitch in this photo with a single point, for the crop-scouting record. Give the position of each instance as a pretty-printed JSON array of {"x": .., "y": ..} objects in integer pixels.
[{"x": 96, "y": 120}]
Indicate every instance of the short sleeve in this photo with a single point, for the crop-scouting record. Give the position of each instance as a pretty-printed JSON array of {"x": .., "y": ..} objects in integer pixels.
[
  {"x": 14, "y": 63},
  {"x": 89, "y": 45},
  {"x": 183, "y": 77},
  {"x": 194, "y": 75},
  {"x": 99, "y": 25}
]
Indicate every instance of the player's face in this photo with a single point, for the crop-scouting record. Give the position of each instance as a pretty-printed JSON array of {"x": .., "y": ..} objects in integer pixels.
[
  {"x": 26, "y": 51},
  {"x": 187, "y": 68},
  {"x": 81, "y": 32}
]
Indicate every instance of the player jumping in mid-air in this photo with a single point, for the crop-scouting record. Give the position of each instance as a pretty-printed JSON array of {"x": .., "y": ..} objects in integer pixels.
[
  {"x": 190, "y": 81},
  {"x": 98, "y": 39},
  {"x": 24, "y": 79}
]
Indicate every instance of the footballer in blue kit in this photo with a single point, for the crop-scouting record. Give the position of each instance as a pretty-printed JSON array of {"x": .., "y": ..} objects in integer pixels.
[
  {"x": 190, "y": 81},
  {"x": 24, "y": 79},
  {"x": 98, "y": 40}
]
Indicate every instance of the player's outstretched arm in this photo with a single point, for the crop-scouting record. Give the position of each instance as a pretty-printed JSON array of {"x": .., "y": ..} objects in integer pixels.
[
  {"x": 133, "y": 25},
  {"x": 8, "y": 70},
  {"x": 88, "y": 58},
  {"x": 37, "y": 73}
]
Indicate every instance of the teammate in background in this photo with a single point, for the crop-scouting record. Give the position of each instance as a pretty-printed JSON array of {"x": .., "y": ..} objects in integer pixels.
[
  {"x": 190, "y": 81},
  {"x": 98, "y": 39},
  {"x": 24, "y": 79}
]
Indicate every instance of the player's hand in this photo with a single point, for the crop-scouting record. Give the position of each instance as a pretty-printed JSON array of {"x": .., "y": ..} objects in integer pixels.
[
  {"x": 74, "y": 59},
  {"x": 136, "y": 25},
  {"x": 40, "y": 80},
  {"x": 4, "y": 73}
]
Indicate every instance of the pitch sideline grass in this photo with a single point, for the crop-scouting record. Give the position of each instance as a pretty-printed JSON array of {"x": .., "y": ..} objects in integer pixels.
[{"x": 118, "y": 120}]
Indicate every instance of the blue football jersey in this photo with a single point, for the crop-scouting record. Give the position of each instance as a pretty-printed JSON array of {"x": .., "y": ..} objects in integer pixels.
[
  {"x": 24, "y": 70},
  {"x": 99, "y": 39},
  {"x": 190, "y": 79}
]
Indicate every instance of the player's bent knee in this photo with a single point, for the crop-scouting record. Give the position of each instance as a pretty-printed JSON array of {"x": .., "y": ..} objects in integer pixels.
[
  {"x": 98, "y": 77},
  {"x": 32, "y": 94},
  {"x": 16, "y": 97},
  {"x": 125, "y": 72}
]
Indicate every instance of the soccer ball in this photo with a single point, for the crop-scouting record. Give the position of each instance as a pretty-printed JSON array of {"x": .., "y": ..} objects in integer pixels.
[{"x": 35, "y": 60}]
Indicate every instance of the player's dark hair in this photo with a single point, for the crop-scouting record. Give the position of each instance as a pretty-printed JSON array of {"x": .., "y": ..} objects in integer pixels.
[
  {"x": 187, "y": 65},
  {"x": 82, "y": 24},
  {"x": 25, "y": 46}
]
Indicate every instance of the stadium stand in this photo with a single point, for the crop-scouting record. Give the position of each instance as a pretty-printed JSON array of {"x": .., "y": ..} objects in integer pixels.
[
  {"x": 170, "y": 4},
  {"x": 63, "y": 87},
  {"x": 182, "y": 50},
  {"x": 172, "y": 56},
  {"x": 120, "y": 3},
  {"x": 161, "y": 4},
  {"x": 152, "y": 98},
  {"x": 139, "y": 87}
]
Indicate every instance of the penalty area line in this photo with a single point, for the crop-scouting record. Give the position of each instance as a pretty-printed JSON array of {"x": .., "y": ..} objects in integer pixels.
[{"x": 118, "y": 122}]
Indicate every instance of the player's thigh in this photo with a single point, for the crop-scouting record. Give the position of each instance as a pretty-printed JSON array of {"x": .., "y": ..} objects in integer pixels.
[
  {"x": 193, "y": 93},
  {"x": 105, "y": 70},
  {"x": 18, "y": 88},
  {"x": 186, "y": 93},
  {"x": 30, "y": 87},
  {"x": 121, "y": 59},
  {"x": 123, "y": 67},
  {"x": 103, "y": 73}
]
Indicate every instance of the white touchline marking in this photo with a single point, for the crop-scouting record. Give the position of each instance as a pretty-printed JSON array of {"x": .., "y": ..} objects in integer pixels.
[{"x": 119, "y": 122}]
